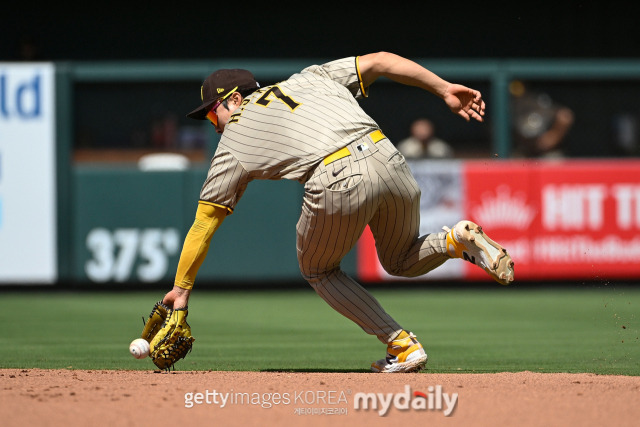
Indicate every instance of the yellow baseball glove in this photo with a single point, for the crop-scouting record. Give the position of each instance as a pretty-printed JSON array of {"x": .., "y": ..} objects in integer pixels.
[{"x": 168, "y": 334}]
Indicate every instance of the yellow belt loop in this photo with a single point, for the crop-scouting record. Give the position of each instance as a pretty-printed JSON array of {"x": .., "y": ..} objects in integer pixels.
[{"x": 376, "y": 136}]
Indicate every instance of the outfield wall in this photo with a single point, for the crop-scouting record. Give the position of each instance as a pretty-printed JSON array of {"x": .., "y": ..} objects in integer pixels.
[
  {"x": 560, "y": 220},
  {"x": 129, "y": 226},
  {"x": 63, "y": 220}
]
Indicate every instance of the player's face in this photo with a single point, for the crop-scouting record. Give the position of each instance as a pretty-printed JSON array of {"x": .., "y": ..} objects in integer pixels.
[
  {"x": 212, "y": 115},
  {"x": 219, "y": 114},
  {"x": 223, "y": 115}
]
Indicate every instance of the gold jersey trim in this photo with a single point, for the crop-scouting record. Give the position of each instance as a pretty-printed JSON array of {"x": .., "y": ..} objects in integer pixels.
[
  {"x": 364, "y": 92},
  {"x": 216, "y": 205}
]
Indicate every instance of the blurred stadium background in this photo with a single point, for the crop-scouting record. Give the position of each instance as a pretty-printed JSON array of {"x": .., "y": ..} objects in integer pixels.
[{"x": 92, "y": 101}]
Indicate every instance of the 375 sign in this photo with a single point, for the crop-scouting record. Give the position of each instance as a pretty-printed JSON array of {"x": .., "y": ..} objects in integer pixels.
[{"x": 130, "y": 254}]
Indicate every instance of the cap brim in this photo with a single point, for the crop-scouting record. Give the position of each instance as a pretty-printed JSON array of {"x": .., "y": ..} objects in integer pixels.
[{"x": 200, "y": 113}]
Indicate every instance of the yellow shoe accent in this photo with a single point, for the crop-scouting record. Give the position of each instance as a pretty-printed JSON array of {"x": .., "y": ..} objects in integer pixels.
[
  {"x": 402, "y": 335},
  {"x": 454, "y": 248},
  {"x": 404, "y": 354}
]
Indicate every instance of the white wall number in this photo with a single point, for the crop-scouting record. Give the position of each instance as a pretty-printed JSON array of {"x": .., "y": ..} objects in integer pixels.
[{"x": 118, "y": 254}]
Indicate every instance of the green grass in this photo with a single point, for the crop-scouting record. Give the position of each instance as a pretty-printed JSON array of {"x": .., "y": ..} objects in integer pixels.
[{"x": 506, "y": 329}]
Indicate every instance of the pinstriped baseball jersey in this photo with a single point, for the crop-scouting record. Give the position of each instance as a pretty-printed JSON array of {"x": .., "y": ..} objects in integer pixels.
[
  {"x": 282, "y": 131},
  {"x": 311, "y": 128}
]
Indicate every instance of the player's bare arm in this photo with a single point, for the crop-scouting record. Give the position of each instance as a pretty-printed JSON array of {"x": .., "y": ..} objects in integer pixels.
[{"x": 461, "y": 100}]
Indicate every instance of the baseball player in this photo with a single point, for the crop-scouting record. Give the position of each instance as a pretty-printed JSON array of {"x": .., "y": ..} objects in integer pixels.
[{"x": 310, "y": 128}]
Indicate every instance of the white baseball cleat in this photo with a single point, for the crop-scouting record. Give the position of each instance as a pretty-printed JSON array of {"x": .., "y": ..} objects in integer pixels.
[
  {"x": 467, "y": 241},
  {"x": 404, "y": 354}
]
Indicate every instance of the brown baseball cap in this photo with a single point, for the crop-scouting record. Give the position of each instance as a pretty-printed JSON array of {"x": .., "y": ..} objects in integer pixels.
[{"x": 219, "y": 84}]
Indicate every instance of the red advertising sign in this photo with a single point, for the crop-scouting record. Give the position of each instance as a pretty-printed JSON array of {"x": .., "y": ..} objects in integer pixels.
[
  {"x": 573, "y": 219},
  {"x": 567, "y": 219}
]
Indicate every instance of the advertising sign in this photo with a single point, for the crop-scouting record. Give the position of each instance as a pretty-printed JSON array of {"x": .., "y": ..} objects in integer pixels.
[
  {"x": 562, "y": 220},
  {"x": 573, "y": 219},
  {"x": 27, "y": 174}
]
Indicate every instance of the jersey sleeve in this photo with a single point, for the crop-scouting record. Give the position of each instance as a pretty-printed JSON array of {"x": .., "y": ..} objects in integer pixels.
[
  {"x": 344, "y": 71},
  {"x": 226, "y": 181}
]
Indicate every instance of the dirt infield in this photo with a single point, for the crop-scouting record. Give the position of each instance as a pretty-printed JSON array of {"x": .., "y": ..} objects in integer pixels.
[{"x": 37, "y": 397}]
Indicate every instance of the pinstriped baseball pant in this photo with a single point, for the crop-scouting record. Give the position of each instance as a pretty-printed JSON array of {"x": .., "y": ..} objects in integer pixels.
[{"x": 373, "y": 186}]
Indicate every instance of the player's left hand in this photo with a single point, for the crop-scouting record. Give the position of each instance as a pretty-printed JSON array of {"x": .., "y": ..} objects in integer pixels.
[
  {"x": 168, "y": 334},
  {"x": 173, "y": 341},
  {"x": 176, "y": 298},
  {"x": 465, "y": 102}
]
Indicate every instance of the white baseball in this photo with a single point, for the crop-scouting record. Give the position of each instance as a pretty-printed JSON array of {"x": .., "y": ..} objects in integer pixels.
[{"x": 139, "y": 348}]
